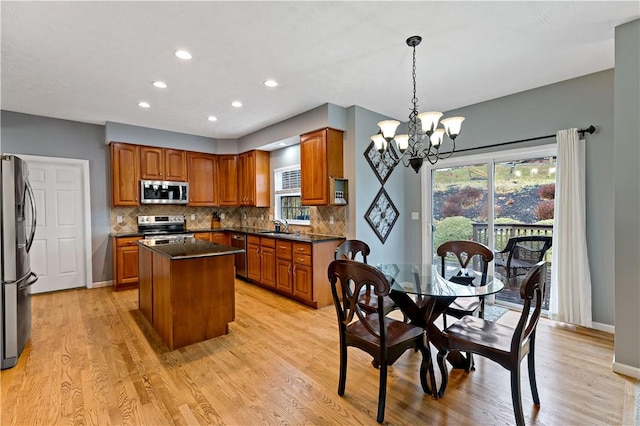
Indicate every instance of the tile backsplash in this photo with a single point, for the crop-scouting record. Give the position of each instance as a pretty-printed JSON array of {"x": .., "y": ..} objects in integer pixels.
[{"x": 253, "y": 217}]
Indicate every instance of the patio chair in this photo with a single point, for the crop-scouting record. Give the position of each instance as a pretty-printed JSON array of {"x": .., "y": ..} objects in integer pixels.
[{"x": 521, "y": 254}]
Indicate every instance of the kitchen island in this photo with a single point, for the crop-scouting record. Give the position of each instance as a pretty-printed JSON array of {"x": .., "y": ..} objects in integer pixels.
[{"x": 186, "y": 289}]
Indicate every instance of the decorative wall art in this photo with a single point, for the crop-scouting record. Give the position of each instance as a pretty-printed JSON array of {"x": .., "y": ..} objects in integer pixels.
[
  {"x": 382, "y": 215},
  {"x": 381, "y": 168}
]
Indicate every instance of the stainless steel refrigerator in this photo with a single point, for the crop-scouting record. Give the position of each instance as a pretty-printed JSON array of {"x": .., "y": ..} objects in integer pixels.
[{"x": 18, "y": 227}]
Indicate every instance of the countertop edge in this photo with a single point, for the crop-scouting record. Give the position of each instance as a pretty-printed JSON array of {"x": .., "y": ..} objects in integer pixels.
[{"x": 259, "y": 232}]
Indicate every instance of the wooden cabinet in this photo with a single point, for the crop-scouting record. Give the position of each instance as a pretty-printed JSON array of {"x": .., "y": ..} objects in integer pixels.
[
  {"x": 254, "y": 265},
  {"x": 320, "y": 159},
  {"x": 204, "y": 236},
  {"x": 125, "y": 185},
  {"x": 202, "y": 175},
  {"x": 302, "y": 271},
  {"x": 228, "y": 180},
  {"x": 295, "y": 269},
  {"x": 284, "y": 267},
  {"x": 219, "y": 238},
  {"x": 125, "y": 262},
  {"x": 261, "y": 258},
  {"x": 253, "y": 179},
  {"x": 163, "y": 164}
]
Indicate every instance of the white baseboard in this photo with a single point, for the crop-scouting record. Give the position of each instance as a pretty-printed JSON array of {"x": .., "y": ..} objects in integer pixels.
[
  {"x": 603, "y": 327},
  {"x": 627, "y": 370},
  {"x": 101, "y": 284}
]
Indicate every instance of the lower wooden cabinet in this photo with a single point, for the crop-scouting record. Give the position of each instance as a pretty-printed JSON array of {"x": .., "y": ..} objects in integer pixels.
[
  {"x": 295, "y": 269},
  {"x": 261, "y": 260},
  {"x": 125, "y": 262},
  {"x": 204, "y": 236},
  {"x": 220, "y": 238}
]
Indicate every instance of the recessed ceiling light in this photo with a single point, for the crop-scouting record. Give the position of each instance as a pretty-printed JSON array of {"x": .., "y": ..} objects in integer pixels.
[
  {"x": 144, "y": 104},
  {"x": 236, "y": 104},
  {"x": 160, "y": 84},
  {"x": 212, "y": 118},
  {"x": 270, "y": 83},
  {"x": 282, "y": 144},
  {"x": 183, "y": 54}
]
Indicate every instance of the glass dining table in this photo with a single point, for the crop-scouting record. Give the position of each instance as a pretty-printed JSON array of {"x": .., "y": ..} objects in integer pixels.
[{"x": 423, "y": 294}]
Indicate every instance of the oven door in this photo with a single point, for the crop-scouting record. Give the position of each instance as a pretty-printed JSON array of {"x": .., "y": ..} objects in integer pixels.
[{"x": 164, "y": 192}]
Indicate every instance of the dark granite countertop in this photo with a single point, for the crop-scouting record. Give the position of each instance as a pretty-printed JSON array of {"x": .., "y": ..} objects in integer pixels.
[
  {"x": 307, "y": 238},
  {"x": 190, "y": 248}
]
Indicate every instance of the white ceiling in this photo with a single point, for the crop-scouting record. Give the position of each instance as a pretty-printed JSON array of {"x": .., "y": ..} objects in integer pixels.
[{"x": 94, "y": 61}]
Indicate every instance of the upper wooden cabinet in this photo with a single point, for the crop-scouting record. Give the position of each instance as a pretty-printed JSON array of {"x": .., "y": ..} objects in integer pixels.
[
  {"x": 125, "y": 186},
  {"x": 320, "y": 159},
  {"x": 228, "y": 180},
  {"x": 163, "y": 164},
  {"x": 253, "y": 179},
  {"x": 202, "y": 179}
]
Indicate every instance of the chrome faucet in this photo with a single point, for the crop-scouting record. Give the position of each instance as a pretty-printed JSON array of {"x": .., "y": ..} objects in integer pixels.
[{"x": 284, "y": 224}]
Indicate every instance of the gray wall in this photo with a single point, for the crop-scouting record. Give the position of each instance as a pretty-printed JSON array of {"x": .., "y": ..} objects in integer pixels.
[
  {"x": 326, "y": 115},
  {"x": 50, "y": 137},
  {"x": 364, "y": 124},
  {"x": 543, "y": 111},
  {"x": 626, "y": 170},
  {"x": 117, "y": 132}
]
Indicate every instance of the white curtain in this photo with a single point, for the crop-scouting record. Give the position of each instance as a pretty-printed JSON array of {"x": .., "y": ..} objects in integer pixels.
[{"x": 570, "y": 276}]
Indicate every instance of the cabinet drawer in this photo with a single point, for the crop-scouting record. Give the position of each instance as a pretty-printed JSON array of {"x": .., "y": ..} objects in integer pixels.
[
  {"x": 253, "y": 240},
  {"x": 283, "y": 250},
  {"x": 268, "y": 242},
  {"x": 127, "y": 241},
  {"x": 301, "y": 248},
  {"x": 302, "y": 259}
]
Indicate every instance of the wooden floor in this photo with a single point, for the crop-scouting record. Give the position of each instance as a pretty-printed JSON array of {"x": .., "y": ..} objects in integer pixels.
[{"x": 93, "y": 359}]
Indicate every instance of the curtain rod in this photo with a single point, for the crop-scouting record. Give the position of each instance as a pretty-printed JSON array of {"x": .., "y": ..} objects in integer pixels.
[{"x": 589, "y": 130}]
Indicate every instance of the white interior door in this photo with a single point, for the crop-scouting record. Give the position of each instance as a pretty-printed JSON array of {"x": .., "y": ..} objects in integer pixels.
[{"x": 60, "y": 253}]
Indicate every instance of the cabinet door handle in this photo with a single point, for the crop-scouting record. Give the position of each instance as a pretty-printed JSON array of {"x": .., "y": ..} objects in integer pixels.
[{"x": 294, "y": 270}]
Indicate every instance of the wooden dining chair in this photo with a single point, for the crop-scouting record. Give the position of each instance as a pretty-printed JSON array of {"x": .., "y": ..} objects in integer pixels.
[
  {"x": 464, "y": 252},
  {"x": 503, "y": 344},
  {"x": 384, "y": 338},
  {"x": 355, "y": 250}
]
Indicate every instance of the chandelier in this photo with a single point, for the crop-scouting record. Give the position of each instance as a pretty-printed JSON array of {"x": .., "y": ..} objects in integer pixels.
[{"x": 425, "y": 137}]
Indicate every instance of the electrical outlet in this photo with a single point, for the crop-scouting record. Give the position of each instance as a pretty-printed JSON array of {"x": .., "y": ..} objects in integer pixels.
[
  {"x": 261, "y": 217},
  {"x": 193, "y": 217},
  {"x": 330, "y": 220},
  {"x": 221, "y": 215},
  {"x": 119, "y": 219},
  {"x": 270, "y": 217},
  {"x": 415, "y": 216},
  {"x": 244, "y": 216}
]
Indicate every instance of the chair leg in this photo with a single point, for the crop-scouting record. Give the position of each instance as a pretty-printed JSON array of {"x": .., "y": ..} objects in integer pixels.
[
  {"x": 444, "y": 320},
  {"x": 382, "y": 392},
  {"x": 343, "y": 369},
  {"x": 471, "y": 366},
  {"x": 444, "y": 373},
  {"x": 532, "y": 371},
  {"x": 515, "y": 395}
]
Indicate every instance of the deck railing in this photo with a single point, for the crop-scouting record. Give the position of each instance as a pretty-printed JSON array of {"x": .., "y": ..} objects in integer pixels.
[{"x": 505, "y": 231}]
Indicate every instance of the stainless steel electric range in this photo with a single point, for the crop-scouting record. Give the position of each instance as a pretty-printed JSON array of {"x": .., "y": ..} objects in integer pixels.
[{"x": 164, "y": 229}]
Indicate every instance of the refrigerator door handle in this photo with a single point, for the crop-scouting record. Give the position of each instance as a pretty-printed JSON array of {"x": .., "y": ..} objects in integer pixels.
[
  {"x": 33, "y": 277},
  {"x": 33, "y": 216}
]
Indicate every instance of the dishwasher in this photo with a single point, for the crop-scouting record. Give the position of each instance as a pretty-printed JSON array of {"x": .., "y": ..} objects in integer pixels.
[{"x": 240, "y": 241}]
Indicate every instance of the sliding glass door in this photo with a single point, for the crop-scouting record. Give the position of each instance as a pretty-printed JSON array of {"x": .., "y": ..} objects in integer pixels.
[{"x": 504, "y": 200}]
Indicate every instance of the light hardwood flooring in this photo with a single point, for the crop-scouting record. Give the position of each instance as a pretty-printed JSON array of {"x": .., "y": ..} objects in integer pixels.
[{"x": 93, "y": 359}]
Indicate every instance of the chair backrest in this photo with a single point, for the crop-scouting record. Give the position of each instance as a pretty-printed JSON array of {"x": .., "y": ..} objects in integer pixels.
[
  {"x": 531, "y": 248},
  {"x": 348, "y": 279},
  {"x": 464, "y": 251},
  {"x": 351, "y": 248},
  {"x": 532, "y": 292}
]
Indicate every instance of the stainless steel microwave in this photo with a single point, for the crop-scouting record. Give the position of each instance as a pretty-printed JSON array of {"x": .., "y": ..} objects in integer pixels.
[{"x": 163, "y": 192}]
